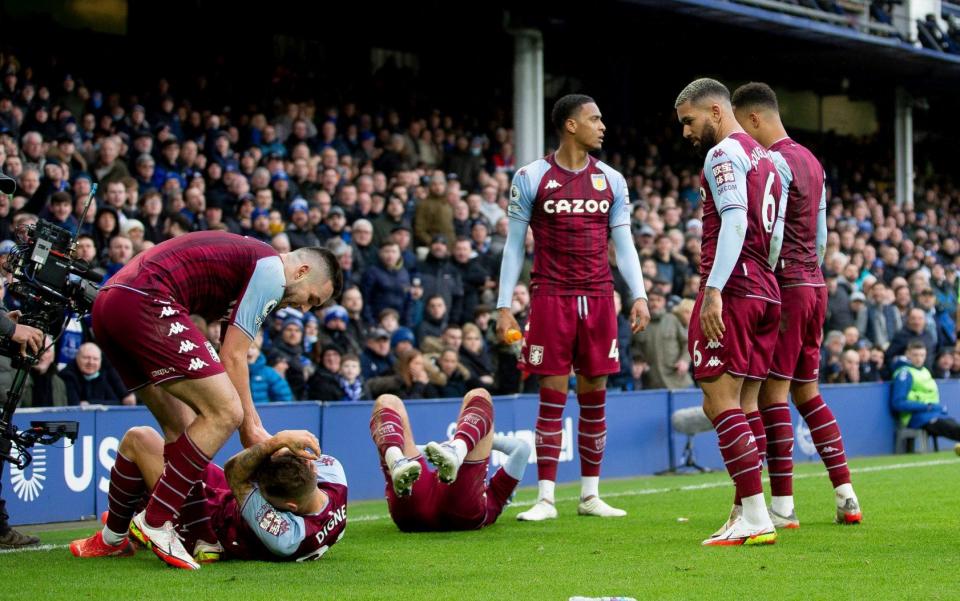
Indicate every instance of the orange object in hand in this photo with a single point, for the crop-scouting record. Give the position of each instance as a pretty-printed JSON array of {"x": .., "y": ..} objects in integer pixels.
[{"x": 513, "y": 335}]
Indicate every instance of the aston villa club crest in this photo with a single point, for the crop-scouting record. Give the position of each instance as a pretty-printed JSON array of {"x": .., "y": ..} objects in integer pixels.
[
  {"x": 599, "y": 181},
  {"x": 536, "y": 354}
]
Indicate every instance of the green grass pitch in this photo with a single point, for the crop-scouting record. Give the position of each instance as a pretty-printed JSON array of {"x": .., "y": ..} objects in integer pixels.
[{"x": 905, "y": 549}]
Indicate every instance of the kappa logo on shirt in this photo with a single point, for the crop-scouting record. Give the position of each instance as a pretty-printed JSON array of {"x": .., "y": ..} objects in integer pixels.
[
  {"x": 552, "y": 184},
  {"x": 187, "y": 345},
  {"x": 168, "y": 312},
  {"x": 176, "y": 328}
]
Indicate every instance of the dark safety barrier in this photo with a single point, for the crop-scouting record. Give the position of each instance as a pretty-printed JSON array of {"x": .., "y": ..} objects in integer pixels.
[{"x": 69, "y": 482}]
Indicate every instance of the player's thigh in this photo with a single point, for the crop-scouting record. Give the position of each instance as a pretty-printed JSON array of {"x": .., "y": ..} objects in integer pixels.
[
  {"x": 773, "y": 391},
  {"x": 794, "y": 311},
  {"x": 763, "y": 336},
  {"x": 749, "y": 395},
  {"x": 598, "y": 351},
  {"x": 551, "y": 335},
  {"x": 153, "y": 340},
  {"x": 808, "y": 362},
  {"x": 214, "y": 396},
  {"x": 464, "y": 498},
  {"x": 731, "y": 354},
  {"x": 173, "y": 415}
]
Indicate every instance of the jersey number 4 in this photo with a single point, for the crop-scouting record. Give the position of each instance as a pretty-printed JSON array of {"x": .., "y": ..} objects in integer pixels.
[{"x": 769, "y": 208}]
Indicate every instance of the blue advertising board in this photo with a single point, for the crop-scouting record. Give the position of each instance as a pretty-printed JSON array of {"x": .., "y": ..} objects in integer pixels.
[{"x": 69, "y": 482}]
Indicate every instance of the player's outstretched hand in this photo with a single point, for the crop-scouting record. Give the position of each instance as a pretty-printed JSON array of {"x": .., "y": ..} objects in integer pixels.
[
  {"x": 711, "y": 315},
  {"x": 639, "y": 315},
  {"x": 300, "y": 442},
  {"x": 505, "y": 321}
]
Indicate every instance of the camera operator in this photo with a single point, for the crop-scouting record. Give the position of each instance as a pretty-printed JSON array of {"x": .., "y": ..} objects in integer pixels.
[{"x": 30, "y": 339}]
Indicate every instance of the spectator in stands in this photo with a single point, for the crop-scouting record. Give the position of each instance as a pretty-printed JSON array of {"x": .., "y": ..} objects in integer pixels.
[
  {"x": 349, "y": 378},
  {"x": 839, "y": 314},
  {"x": 440, "y": 277},
  {"x": 849, "y": 369},
  {"x": 324, "y": 384},
  {"x": 435, "y": 319},
  {"x": 266, "y": 385},
  {"x": 289, "y": 348},
  {"x": 943, "y": 366},
  {"x": 89, "y": 382},
  {"x": 478, "y": 285},
  {"x": 352, "y": 301},
  {"x": 119, "y": 254},
  {"x": 335, "y": 322},
  {"x": 414, "y": 378},
  {"x": 915, "y": 397},
  {"x": 915, "y": 328},
  {"x": 108, "y": 166},
  {"x": 871, "y": 362},
  {"x": 391, "y": 217},
  {"x": 375, "y": 360},
  {"x": 434, "y": 215},
  {"x": 882, "y": 317},
  {"x": 671, "y": 267},
  {"x": 660, "y": 351},
  {"x": 830, "y": 365},
  {"x": 361, "y": 240},
  {"x": 474, "y": 357},
  {"x": 385, "y": 284},
  {"x": 455, "y": 375}
]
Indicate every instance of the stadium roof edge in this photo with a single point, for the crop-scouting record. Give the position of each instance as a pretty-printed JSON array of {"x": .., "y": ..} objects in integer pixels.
[{"x": 812, "y": 31}]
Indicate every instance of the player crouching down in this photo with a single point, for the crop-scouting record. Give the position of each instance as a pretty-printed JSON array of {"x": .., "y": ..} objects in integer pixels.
[
  {"x": 456, "y": 496},
  {"x": 279, "y": 500}
]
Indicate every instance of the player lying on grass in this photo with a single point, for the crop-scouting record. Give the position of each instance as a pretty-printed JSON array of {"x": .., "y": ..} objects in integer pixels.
[
  {"x": 279, "y": 500},
  {"x": 456, "y": 496}
]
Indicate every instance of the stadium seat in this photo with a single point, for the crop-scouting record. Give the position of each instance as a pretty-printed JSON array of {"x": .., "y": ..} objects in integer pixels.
[{"x": 919, "y": 441}]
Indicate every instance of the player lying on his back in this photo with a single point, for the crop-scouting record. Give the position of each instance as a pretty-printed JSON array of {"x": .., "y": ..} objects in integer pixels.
[
  {"x": 456, "y": 496},
  {"x": 279, "y": 500}
]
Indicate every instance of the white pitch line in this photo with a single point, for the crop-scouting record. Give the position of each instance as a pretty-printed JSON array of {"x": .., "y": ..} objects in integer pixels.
[
  {"x": 37, "y": 548},
  {"x": 626, "y": 493}
]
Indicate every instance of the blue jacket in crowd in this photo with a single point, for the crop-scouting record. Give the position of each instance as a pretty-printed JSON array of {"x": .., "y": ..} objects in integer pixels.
[
  {"x": 266, "y": 385},
  {"x": 921, "y": 413}
]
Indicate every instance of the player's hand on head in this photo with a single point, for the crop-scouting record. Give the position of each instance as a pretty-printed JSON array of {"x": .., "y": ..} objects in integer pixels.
[
  {"x": 639, "y": 316},
  {"x": 301, "y": 443}
]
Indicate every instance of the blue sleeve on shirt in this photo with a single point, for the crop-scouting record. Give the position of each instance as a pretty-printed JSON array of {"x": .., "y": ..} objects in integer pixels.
[
  {"x": 725, "y": 170},
  {"x": 263, "y": 294},
  {"x": 281, "y": 532},
  {"x": 620, "y": 210}
]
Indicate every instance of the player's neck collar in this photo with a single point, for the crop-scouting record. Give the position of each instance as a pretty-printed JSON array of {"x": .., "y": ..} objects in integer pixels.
[
  {"x": 780, "y": 140},
  {"x": 568, "y": 170}
]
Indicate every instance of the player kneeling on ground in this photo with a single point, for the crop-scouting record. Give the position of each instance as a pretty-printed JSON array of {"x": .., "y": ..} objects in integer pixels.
[
  {"x": 279, "y": 500},
  {"x": 456, "y": 496}
]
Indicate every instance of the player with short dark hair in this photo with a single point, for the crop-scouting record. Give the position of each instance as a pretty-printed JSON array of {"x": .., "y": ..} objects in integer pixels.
[
  {"x": 733, "y": 328},
  {"x": 796, "y": 359},
  {"x": 457, "y": 495},
  {"x": 279, "y": 500},
  {"x": 574, "y": 203},
  {"x": 141, "y": 319}
]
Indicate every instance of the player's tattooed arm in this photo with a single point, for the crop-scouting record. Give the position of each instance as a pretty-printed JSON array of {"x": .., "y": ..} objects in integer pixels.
[{"x": 241, "y": 468}]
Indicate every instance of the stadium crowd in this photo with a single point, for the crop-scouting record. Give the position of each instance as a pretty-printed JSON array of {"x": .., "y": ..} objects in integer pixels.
[{"x": 413, "y": 205}]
